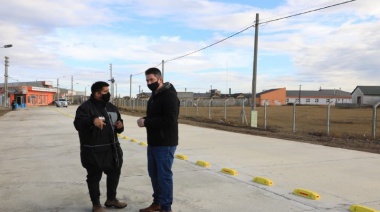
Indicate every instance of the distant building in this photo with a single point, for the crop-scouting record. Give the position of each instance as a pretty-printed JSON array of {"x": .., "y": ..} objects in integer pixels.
[
  {"x": 366, "y": 95},
  {"x": 320, "y": 97},
  {"x": 31, "y": 93},
  {"x": 273, "y": 97},
  {"x": 185, "y": 95},
  {"x": 143, "y": 96}
]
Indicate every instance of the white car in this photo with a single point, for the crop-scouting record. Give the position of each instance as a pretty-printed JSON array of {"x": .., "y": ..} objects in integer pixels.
[{"x": 61, "y": 103}]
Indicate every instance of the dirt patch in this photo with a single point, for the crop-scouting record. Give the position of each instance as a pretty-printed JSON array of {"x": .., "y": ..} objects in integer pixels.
[
  {"x": 313, "y": 138},
  {"x": 2, "y": 112}
]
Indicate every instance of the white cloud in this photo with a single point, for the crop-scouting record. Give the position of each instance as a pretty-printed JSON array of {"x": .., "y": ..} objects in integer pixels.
[{"x": 334, "y": 47}]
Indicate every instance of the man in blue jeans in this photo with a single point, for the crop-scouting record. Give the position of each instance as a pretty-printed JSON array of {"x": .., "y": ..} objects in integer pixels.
[{"x": 161, "y": 123}]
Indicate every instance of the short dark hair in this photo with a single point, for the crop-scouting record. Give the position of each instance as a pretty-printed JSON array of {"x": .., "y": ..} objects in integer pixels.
[
  {"x": 98, "y": 86},
  {"x": 155, "y": 71}
]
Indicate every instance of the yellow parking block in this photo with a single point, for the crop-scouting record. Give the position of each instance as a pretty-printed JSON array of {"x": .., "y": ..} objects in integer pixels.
[
  {"x": 229, "y": 171},
  {"x": 143, "y": 144},
  {"x": 361, "y": 208},
  {"x": 306, "y": 193},
  {"x": 181, "y": 157},
  {"x": 263, "y": 180},
  {"x": 203, "y": 163}
]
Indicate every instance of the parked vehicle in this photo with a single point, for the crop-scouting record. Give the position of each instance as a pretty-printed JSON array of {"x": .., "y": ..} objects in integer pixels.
[{"x": 61, "y": 103}]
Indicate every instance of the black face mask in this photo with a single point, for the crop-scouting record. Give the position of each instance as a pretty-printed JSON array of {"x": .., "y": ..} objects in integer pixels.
[
  {"x": 153, "y": 86},
  {"x": 106, "y": 97}
]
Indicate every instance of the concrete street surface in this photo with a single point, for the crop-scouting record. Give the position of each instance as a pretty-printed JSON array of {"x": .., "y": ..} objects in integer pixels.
[{"x": 41, "y": 170}]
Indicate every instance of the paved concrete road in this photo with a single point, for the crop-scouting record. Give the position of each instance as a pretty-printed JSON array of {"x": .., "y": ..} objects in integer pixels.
[{"x": 41, "y": 171}]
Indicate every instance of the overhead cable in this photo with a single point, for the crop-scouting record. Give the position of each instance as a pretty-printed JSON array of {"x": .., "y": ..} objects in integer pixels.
[{"x": 266, "y": 22}]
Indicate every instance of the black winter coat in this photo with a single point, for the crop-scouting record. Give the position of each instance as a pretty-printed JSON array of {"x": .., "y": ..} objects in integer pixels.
[
  {"x": 161, "y": 119},
  {"x": 100, "y": 149}
]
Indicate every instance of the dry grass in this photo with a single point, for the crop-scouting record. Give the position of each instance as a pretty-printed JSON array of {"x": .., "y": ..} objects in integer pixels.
[
  {"x": 349, "y": 128},
  {"x": 312, "y": 120}
]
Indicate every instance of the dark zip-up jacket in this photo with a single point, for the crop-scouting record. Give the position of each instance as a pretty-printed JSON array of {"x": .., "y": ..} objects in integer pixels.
[
  {"x": 161, "y": 119},
  {"x": 100, "y": 149}
]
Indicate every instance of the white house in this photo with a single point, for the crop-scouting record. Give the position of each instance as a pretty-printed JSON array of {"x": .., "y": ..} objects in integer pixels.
[
  {"x": 366, "y": 95},
  {"x": 319, "y": 97}
]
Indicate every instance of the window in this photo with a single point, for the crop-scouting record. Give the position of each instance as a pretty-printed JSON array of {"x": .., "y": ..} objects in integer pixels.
[
  {"x": 316, "y": 100},
  {"x": 33, "y": 100},
  {"x": 327, "y": 100},
  {"x": 307, "y": 100},
  {"x": 287, "y": 100}
]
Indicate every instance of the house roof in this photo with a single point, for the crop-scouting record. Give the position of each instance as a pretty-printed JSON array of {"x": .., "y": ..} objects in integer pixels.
[
  {"x": 185, "y": 94},
  {"x": 320, "y": 93},
  {"x": 202, "y": 95},
  {"x": 369, "y": 90},
  {"x": 32, "y": 83},
  {"x": 266, "y": 91}
]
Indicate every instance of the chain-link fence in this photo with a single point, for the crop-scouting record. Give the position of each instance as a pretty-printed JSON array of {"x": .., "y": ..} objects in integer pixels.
[
  {"x": 324, "y": 121},
  {"x": 2, "y": 99}
]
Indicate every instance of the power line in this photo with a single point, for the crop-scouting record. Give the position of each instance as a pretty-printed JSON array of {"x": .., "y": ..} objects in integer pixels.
[
  {"x": 266, "y": 22},
  {"x": 210, "y": 44},
  {"x": 302, "y": 13},
  {"x": 327, "y": 2}
]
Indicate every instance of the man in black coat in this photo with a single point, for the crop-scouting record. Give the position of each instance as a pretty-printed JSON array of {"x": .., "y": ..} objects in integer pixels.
[
  {"x": 98, "y": 122},
  {"x": 161, "y": 123}
]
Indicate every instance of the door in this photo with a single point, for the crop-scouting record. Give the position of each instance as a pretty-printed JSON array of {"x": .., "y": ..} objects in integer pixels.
[{"x": 359, "y": 100}]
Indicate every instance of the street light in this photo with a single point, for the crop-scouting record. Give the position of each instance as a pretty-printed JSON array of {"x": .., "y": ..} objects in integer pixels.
[
  {"x": 6, "y": 46},
  {"x": 6, "y": 77}
]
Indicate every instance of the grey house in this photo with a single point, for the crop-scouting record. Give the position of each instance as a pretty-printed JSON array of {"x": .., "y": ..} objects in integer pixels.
[{"x": 366, "y": 95}]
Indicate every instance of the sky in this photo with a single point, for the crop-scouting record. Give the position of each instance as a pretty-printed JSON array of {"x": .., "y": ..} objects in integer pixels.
[{"x": 334, "y": 48}]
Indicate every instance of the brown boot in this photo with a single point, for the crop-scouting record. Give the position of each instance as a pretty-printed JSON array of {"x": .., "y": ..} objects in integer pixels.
[
  {"x": 115, "y": 203},
  {"x": 97, "y": 208},
  {"x": 153, "y": 207}
]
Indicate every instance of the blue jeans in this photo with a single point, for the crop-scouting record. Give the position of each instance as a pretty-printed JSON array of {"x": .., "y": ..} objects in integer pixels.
[{"x": 160, "y": 161}]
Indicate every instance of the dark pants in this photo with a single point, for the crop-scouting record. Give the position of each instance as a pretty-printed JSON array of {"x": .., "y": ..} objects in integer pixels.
[
  {"x": 160, "y": 161},
  {"x": 93, "y": 179},
  {"x": 95, "y": 175}
]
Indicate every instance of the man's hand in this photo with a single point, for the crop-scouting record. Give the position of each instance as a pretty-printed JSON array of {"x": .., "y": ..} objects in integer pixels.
[
  {"x": 99, "y": 123},
  {"x": 140, "y": 122},
  {"x": 119, "y": 125}
]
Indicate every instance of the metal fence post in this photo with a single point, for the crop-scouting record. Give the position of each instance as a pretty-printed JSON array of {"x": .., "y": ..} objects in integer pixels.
[
  {"x": 225, "y": 109},
  {"x": 265, "y": 114},
  {"x": 209, "y": 109},
  {"x": 294, "y": 115},
  {"x": 374, "y": 120},
  {"x": 328, "y": 119},
  {"x": 197, "y": 106},
  {"x": 243, "y": 116},
  {"x": 185, "y": 102}
]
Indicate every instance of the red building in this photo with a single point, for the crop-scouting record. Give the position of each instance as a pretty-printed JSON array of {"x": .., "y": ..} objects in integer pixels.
[{"x": 31, "y": 93}]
